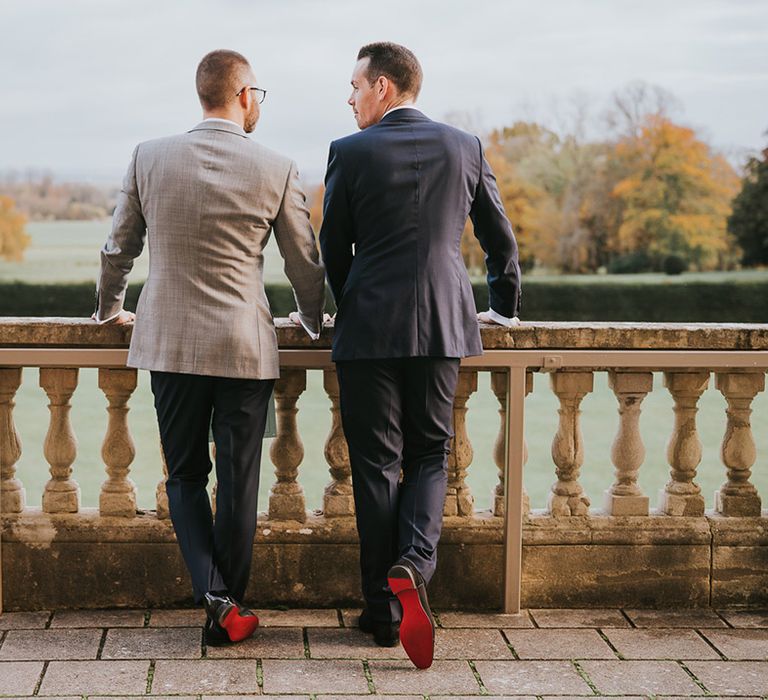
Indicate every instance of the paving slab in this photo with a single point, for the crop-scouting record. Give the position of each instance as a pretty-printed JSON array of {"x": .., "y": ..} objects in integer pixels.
[
  {"x": 236, "y": 676},
  {"x": 484, "y": 697},
  {"x": 325, "y": 643},
  {"x": 98, "y": 618},
  {"x": 531, "y": 677},
  {"x": 350, "y": 616},
  {"x": 269, "y": 643},
  {"x": 372, "y": 697},
  {"x": 19, "y": 677},
  {"x": 160, "y": 643},
  {"x": 443, "y": 677},
  {"x": 298, "y": 618},
  {"x": 639, "y": 677},
  {"x": 471, "y": 644},
  {"x": 740, "y": 644},
  {"x": 693, "y": 617},
  {"x": 481, "y": 620},
  {"x": 314, "y": 676},
  {"x": 580, "y": 618},
  {"x": 559, "y": 644},
  {"x": 660, "y": 644},
  {"x": 24, "y": 620},
  {"x": 143, "y": 697},
  {"x": 56, "y": 697},
  {"x": 732, "y": 677},
  {"x": 250, "y": 697},
  {"x": 49, "y": 645},
  {"x": 692, "y": 697},
  {"x": 95, "y": 678},
  {"x": 177, "y": 618},
  {"x": 737, "y": 618}
]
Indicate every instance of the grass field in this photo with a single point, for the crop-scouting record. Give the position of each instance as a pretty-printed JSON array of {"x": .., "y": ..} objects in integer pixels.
[
  {"x": 68, "y": 251},
  {"x": 599, "y": 423}
]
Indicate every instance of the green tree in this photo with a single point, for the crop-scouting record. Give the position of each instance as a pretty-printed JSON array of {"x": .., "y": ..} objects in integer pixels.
[
  {"x": 13, "y": 238},
  {"x": 749, "y": 220}
]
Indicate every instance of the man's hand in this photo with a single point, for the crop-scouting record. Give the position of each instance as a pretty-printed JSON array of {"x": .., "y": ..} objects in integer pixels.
[
  {"x": 122, "y": 319},
  {"x": 295, "y": 319},
  {"x": 485, "y": 317}
]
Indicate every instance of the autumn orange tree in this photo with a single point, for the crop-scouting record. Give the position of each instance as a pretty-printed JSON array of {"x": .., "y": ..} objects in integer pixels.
[
  {"x": 13, "y": 238},
  {"x": 674, "y": 196}
]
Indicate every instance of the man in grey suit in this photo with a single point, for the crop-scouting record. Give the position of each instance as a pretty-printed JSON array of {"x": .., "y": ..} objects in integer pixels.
[
  {"x": 397, "y": 196},
  {"x": 206, "y": 202}
]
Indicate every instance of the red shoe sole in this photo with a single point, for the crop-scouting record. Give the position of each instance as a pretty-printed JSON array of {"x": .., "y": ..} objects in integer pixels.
[
  {"x": 239, "y": 627},
  {"x": 416, "y": 633}
]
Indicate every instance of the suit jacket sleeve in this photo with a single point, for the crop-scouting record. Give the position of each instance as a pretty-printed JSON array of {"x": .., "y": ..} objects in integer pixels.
[
  {"x": 124, "y": 244},
  {"x": 494, "y": 232},
  {"x": 297, "y": 245},
  {"x": 336, "y": 233}
]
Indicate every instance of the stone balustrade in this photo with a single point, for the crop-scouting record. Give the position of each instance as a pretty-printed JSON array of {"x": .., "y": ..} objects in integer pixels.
[{"x": 631, "y": 549}]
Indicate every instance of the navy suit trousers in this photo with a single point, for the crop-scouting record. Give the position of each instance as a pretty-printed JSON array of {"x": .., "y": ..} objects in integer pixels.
[
  {"x": 217, "y": 554},
  {"x": 397, "y": 417}
]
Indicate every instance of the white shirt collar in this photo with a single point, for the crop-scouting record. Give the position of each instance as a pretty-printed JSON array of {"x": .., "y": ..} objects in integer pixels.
[
  {"x": 400, "y": 107},
  {"x": 220, "y": 119}
]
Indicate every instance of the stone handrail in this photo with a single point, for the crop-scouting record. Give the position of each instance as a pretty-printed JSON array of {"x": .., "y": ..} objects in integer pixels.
[{"x": 626, "y": 519}]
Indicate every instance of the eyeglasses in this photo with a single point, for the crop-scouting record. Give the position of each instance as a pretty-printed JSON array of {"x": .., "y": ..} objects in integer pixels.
[{"x": 260, "y": 94}]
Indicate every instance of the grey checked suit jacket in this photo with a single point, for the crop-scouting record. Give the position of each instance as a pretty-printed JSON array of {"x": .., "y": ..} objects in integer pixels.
[{"x": 206, "y": 202}]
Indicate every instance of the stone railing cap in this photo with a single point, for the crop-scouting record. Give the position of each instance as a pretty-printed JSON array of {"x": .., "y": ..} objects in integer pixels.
[{"x": 84, "y": 333}]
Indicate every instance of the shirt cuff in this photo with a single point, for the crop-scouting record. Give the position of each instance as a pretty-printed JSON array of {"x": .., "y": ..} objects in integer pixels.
[
  {"x": 107, "y": 320},
  {"x": 502, "y": 320},
  {"x": 309, "y": 331}
]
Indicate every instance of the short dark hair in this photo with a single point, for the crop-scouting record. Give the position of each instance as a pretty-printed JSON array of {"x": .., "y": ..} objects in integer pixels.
[
  {"x": 394, "y": 62},
  {"x": 218, "y": 77}
]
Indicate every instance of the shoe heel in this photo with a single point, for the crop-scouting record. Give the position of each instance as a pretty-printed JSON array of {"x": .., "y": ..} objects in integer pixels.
[{"x": 239, "y": 628}]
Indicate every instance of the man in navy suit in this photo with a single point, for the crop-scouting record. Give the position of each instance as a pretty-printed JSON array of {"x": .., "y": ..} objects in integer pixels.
[{"x": 398, "y": 194}]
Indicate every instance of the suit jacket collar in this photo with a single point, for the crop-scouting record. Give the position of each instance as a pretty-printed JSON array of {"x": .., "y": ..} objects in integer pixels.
[
  {"x": 404, "y": 114},
  {"x": 230, "y": 128}
]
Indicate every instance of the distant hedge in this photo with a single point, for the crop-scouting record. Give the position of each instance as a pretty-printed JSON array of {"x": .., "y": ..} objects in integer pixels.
[{"x": 725, "y": 301}]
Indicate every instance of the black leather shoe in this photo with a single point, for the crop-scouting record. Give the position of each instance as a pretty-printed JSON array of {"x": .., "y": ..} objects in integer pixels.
[
  {"x": 385, "y": 634},
  {"x": 214, "y": 635},
  {"x": 417, "y": 630},
  {"x": 227, "y": 620}
]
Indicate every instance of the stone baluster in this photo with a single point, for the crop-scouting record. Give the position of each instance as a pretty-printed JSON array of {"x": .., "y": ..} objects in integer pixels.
[
  {"x": 628, "y": 452},
  {"x": 62, "y": 494},
  {"x": 738, "y": 496},
  {"x": 286, "y": 499},
  {"x": 681, "y": 496},
  {"x": 161, "y": 495},
  {"x": 567, "y": 496},
  {"x": 459, "y": 499},
  {"x": 118, "y": 492},
  {"x": 12, "y": 495},
  {"x": 499, "y": 386},
  {"x": 338, "y": 500}
]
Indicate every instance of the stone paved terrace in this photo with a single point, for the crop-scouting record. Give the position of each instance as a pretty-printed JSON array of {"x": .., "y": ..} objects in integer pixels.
[{"x": 319, "y": 654}]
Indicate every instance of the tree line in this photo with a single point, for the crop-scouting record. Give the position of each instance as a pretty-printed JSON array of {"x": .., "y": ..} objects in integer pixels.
[{"x": 648, "y": 194}]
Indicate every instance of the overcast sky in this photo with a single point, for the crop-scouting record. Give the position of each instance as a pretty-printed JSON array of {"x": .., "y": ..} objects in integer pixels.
[{"x": 82, "y": 81}]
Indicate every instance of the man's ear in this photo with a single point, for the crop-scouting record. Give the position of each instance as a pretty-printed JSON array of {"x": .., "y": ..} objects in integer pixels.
[
  {"x": 243, "y": 98},
  {"x": 382, "y": 83}
]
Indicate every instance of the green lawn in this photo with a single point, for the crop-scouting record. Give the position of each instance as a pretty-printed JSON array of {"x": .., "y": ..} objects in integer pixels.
[
  {"x": 68, "y": 251},
  {"x": 599, "y": 423}
]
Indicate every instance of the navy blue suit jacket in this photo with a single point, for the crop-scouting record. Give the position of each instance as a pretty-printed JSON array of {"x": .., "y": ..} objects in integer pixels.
[{"x": 397, "y": 197}]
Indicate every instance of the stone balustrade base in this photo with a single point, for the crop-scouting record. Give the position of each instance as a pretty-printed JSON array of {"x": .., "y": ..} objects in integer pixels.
[{"x": 89, "y": 561}]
